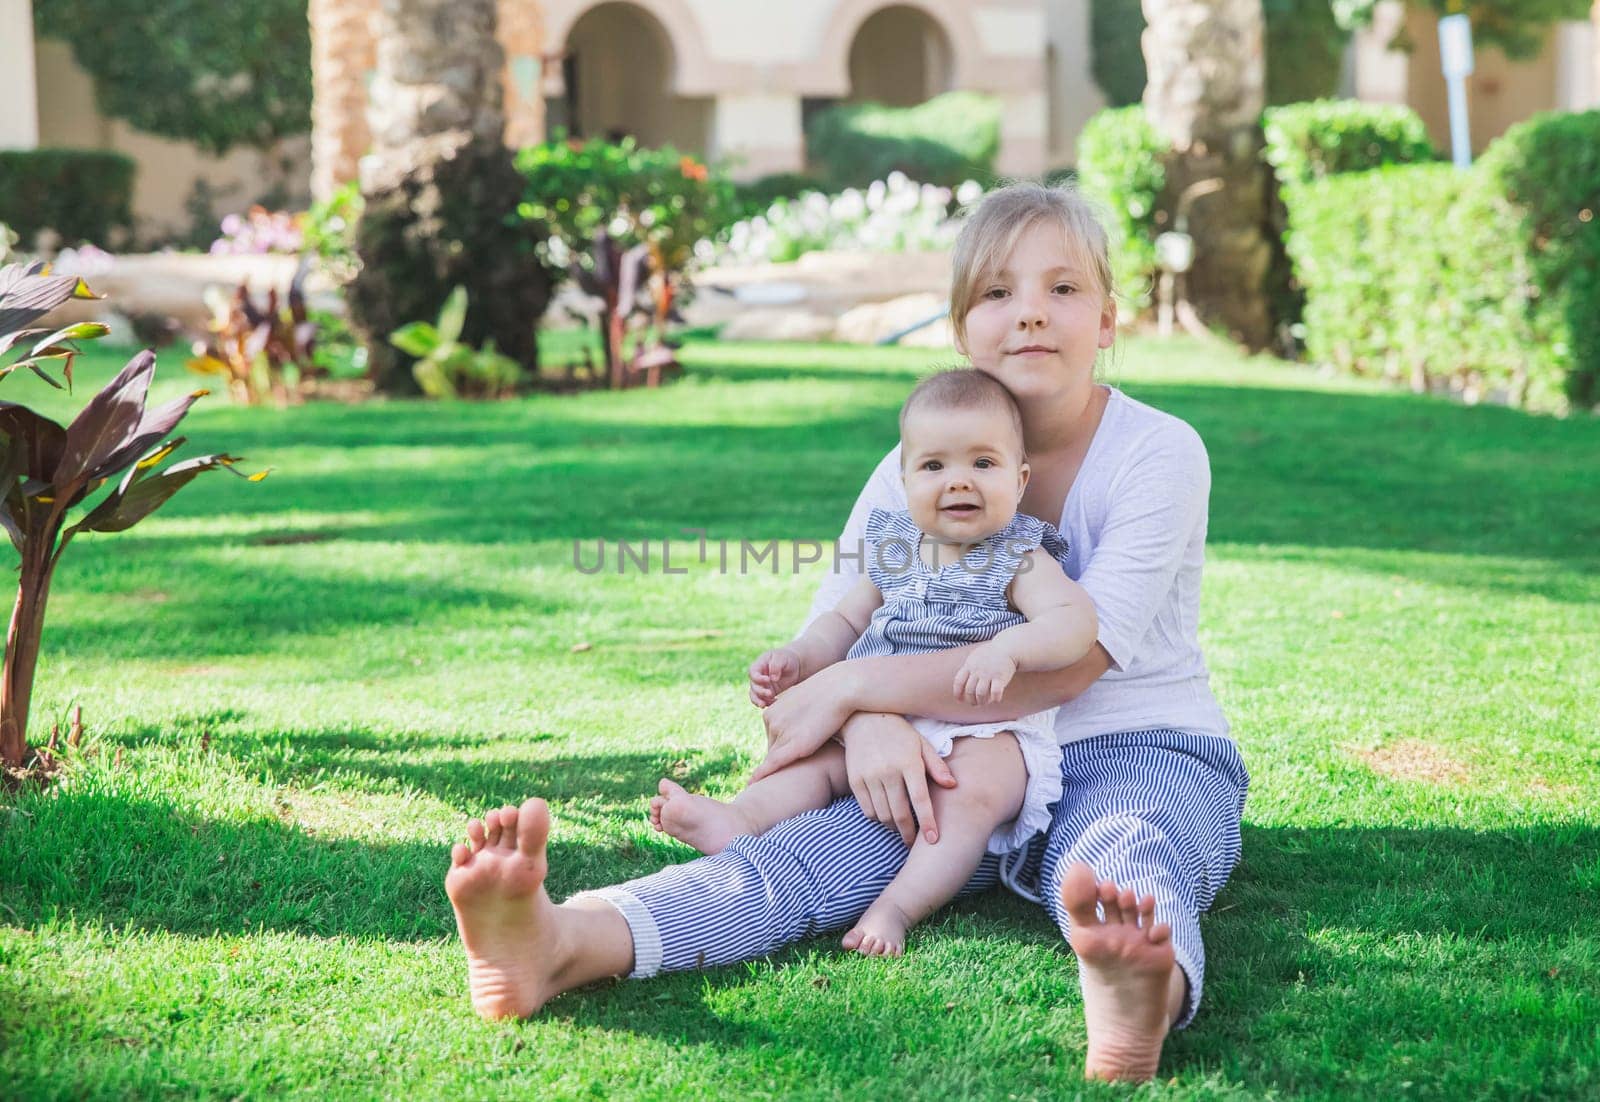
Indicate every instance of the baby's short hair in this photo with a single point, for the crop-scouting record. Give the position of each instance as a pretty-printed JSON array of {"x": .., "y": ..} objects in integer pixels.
[{"x": 964, "y": 388}]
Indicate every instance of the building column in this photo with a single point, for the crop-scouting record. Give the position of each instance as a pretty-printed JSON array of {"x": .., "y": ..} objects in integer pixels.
[
  {"x": 19, "y": 123},
  {"x": 761, "y": 132},
  {"x": 344, "y": 53},
  {"x": 1024, "y": 133},
  {"x": 521, "y": 33},
  {"x": 1382, "y": 75},
  {"x": 1074, "y": 96},
  {"x": 1577, "y": 66}
]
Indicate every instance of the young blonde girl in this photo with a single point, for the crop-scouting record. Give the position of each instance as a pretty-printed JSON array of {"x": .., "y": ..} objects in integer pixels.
[
  {"x": 959, "y": 565},
  {"x": 1147, "y": 827}
]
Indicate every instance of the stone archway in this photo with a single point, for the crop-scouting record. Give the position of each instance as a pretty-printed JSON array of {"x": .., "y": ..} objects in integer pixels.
[
  {"x": 900, "y": 56},
  {"x": 621, "y": 73},
  {"x": 951, "y": 19},
  {"x": 694, "y": 73}
]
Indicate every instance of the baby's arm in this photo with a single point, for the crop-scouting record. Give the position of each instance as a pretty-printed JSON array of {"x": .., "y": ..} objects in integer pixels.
[
  {"x": 1061, "y": 629},
  {"x": 825, "y": 641}
]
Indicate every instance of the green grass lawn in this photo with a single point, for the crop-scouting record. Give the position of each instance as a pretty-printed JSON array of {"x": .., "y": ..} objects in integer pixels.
[{"x": 316, "y": 679}]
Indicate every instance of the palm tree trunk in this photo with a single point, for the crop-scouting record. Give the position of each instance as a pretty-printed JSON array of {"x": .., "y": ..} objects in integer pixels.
[
  {"x": 343, "y": 53},
  {"x": 441, "y": 191},
  {"x": 1205, "y": 93}
]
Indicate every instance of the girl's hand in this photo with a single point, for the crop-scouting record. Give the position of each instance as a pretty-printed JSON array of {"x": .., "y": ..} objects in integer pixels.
[
  {"x": 803, "y": 718},
  {"x": 771, "y": 674},
  {"x": 888, "y": 764},
  {"x": 983, "y": 677}
]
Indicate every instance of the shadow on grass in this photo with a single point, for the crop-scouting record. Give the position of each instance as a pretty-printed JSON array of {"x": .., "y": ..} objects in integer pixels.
[
  {"x": 1380, "y": 945},
  {"x": 1290, "y": 467},
  {"x": 186, "y": 607}
]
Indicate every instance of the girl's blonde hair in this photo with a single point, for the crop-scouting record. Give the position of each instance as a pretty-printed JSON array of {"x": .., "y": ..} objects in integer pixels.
[{"x": 998, "y": 222}]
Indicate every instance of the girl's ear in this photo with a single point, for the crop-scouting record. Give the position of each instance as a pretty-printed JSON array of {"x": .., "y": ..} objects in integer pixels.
[
  {"x": 1023, "y": 473},
  {"x": 1108, "y": 323}
]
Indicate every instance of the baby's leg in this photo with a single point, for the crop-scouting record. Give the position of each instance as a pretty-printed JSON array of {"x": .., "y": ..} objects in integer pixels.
[
  {"x": 991, "y": 781},
  {"x": 709, "y": 825}
]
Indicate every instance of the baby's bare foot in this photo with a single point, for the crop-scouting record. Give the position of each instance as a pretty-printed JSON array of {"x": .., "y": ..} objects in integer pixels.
[
  {"x": 1128, "y": 973},
  {"x": 507, "y": 922},
  {"x": 881, "y": 931},
  {"x": 699, "y": 821}
]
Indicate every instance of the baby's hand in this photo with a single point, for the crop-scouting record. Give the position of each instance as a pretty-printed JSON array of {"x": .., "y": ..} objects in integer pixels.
[
  {"x": 983, "y": 677},
  {"x": 773, "y": 672}
]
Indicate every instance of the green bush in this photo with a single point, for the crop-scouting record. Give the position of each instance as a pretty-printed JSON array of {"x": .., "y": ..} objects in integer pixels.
[
  {"x": 81, "y": 194},
  {"x": 1368, "y": 252},
  {"x": 1308, "y": 141},
  {"x": 1489, "y": 278},
  {"x": 657, "y": 197},
  {"x": 1118, "y": 55},
  {"x": 946, "y": 141},
  {"x": 1305, "y": 50},
  {"x": 1525, "y": 254},
  {"x": 1121, "y": 163},
  {"x": 218, "y": 75}
]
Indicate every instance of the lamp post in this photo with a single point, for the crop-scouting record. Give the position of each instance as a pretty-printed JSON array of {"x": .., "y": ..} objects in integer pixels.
[{"x": 1455, "y": 57}]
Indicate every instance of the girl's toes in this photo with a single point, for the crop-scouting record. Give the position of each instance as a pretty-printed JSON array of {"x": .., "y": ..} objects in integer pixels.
[
  {"x": 1147, "y": 911},
  {"x": 1128, "y": 904},
  {"x": 477, "y": 834},
  {"x": 1160, "y": 932},
  {"x": 491, "y": 826},
  {"x": 852, "y": 940},
  {"x": 459, "y": 853},
  {"x": 1109, "y": 904}
]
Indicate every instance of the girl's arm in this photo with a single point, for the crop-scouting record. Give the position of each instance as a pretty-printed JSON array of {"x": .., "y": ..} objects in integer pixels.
[{"x": 923, "y": 684}]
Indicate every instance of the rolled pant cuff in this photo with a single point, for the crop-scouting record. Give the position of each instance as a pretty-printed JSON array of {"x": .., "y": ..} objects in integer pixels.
[
  {"x": 647, "y": 952},
  {"x": 1195, "y": 974}
]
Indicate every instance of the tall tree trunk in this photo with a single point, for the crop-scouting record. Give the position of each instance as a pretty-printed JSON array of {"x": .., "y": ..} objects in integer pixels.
[
  {"x": 1205, "y": 93},
  {"x": 441, "y": 191},
  {"x": 343, "y": 52}
]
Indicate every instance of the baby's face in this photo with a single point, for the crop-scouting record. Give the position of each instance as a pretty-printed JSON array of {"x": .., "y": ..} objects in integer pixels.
[{"x": 963, "y": 472}]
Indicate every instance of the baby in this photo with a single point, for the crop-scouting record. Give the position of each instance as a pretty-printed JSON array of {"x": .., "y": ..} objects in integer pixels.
[{"x": 960, "y": 566}]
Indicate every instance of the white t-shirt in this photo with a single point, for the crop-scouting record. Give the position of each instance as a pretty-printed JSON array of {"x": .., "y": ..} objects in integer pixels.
[{"x": 1136, "y": 522}]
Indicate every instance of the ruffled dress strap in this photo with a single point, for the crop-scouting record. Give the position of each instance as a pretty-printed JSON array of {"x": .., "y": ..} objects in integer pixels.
[
  {"x": 1026, "y": 533},
  {"x": 890, "y": 546}
]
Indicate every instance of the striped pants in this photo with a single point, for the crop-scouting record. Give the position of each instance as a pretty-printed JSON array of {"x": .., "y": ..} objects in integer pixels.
[{"x": 1157, "y": 811}]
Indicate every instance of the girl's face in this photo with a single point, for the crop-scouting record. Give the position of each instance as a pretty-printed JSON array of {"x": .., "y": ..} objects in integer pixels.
[
  {"x": 1039, "y": 321},
  {"x": 963, "y": 472}
]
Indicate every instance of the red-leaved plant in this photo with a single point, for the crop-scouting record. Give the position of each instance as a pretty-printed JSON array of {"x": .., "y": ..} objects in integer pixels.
[{"x": 46, "y": 469}]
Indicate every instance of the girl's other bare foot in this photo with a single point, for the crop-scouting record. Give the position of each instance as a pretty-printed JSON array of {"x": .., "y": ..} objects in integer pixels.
[
  {"x": 699, "y": 821},
  {"x": 881, "y": 931},
  {"x": 507, "y": 922},
  {"x": 1132, "y": 987}
]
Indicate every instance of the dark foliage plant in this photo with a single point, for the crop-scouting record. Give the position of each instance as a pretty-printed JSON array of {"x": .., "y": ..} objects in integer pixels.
[
  {"x": 262, "y": 349},
  {"x": 47, "y": 469},
  {"x": 446, "y": 217}
]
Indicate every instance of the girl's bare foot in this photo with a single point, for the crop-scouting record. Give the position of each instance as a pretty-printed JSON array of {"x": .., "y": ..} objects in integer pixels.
[
  {"x": 881, "y": 931},
  {"x": 1128, "y": 973},
  {"x": 699, "y": 821},
  {"x": 507, "y": 922}
]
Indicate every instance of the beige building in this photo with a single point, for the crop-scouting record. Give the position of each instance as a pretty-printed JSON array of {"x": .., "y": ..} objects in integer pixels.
[{"x": 738, "y": 78}]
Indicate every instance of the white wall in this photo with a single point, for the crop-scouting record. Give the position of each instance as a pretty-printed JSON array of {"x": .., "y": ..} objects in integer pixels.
[{"x": 19, "y": 120}]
